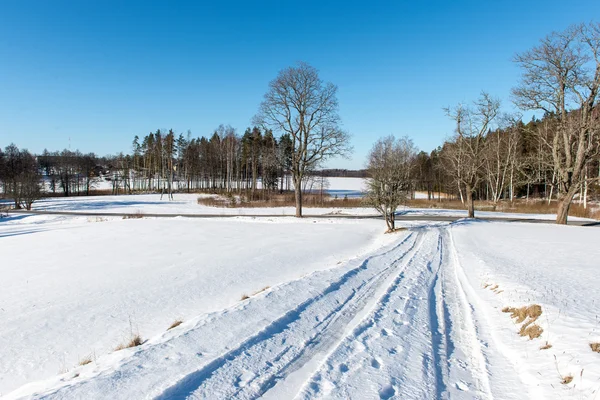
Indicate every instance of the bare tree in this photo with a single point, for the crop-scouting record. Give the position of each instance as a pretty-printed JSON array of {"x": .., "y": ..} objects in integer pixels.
[
  {"x": 561, "y": 77},
  {"x": 300, "y": 104},
  {"x": 465, "y": 155},
  {"x": 390, "y": 170},
  {"x": 21, "y": 177}
]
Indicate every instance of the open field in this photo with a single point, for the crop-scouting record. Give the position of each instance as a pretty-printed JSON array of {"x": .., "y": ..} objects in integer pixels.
[{"x": 279, "y": 307}]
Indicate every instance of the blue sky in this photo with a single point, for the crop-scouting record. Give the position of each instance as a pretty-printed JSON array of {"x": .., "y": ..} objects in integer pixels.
[{"x": 98, "y": 73}]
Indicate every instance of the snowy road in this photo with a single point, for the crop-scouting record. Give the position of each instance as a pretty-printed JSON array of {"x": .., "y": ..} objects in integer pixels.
[{"x": 394, "y": 324}]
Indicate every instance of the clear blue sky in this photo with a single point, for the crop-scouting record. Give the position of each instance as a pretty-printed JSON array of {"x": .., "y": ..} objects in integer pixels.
[{"x": 100, "y": 72}]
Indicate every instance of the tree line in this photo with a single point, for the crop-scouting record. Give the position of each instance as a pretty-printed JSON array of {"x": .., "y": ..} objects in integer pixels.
[
  {"x": 160, "y": 161},
  {"x": 494, "y": 155}
]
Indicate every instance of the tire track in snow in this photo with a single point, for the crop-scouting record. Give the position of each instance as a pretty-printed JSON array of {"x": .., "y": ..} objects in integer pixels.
[
  {"x": 419, "y": 342},
  {"x": 258, "y": 363},
  {"x": 379, "y": 355},
  {"x": 439, "y": 323},
  {"x": 471, "y": 343},
  {"x": 488, "y": 347}
]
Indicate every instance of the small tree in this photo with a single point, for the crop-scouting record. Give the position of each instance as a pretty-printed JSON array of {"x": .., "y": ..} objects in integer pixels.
[
  {"x": 390, "y": 170},
  {"x": 299, "y": 104}
]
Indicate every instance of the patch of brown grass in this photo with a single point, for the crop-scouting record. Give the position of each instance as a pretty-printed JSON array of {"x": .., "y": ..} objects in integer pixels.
[
  {"x": 246, "y": 297},
  {"x": 275, "y": 199},
  {"x": 526, "y": 315},
  {"x": 135, "y": 341},
  {"x": 493, "y": 288},
  {"x": 567, "y": 379},
  {"x": 261, "y": 290},
  {"x": 533, "y": 206},
  {"x": 595, "y": 347},
  {"x": 86, "y": 360},
  {"x": 175, "y": 324},
  {"x": 533, "y": 311},
  {"x": 532, "y": 330},
  {"x": 546, "y": 346}
]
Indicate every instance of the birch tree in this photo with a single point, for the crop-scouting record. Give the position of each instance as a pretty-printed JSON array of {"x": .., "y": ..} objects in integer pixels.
[{"x": 500, "y": 159}]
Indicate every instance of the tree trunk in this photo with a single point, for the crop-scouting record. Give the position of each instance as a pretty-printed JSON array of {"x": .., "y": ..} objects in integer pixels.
[
  {"x": 298, "y": 195},
  {"x": 564, "y": 204},
  {"x": 389, "y": 220},
  {"x": 585, "y": 192},
  {"x": 470, "y": 203}
]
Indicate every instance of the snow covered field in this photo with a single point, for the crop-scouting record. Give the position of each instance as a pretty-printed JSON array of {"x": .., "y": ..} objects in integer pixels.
[
  {"x": 83, "y": 280},
  {"x": 346, "y": 312}
]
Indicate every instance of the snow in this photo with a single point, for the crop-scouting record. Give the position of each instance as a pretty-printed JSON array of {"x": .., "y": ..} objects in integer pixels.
[
  {"x": 346, "y": 312},
  {"x": 555, "y": 267},
  {"x": 84, "y": 280}
]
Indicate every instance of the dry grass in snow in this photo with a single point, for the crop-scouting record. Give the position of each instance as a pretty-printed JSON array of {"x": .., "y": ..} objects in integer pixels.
[
  {"x": 567, "y": 379},
  {"x": 546, "y": 346},
  {"x": 86, "y": 360},
  {"x": 175, "y": 324},
  {"x": 527, "y": 315},
  {"x": 135, "y": 341},
  {"x": 137, "y": 215},
  {"x": 246, "y": 297}
]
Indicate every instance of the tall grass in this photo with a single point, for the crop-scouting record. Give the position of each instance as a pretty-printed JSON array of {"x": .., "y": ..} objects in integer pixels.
[
  {"x": 517, "y": 206},
  {"x": 279, "y": 200}
]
